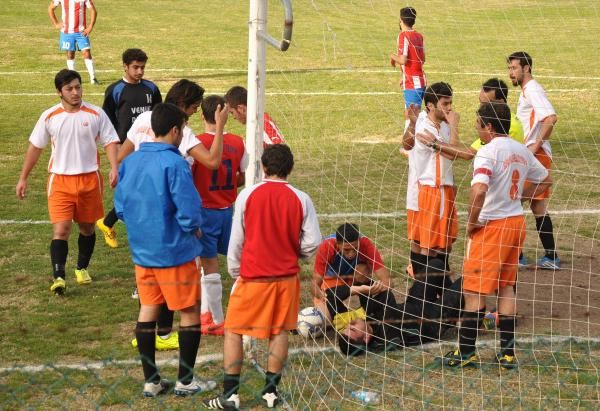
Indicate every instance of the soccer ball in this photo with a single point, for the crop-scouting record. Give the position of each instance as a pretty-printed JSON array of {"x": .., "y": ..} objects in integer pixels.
[{"x": 310, "y": 322}]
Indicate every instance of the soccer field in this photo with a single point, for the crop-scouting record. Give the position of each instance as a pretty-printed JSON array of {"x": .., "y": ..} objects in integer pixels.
[{"x": 340, "y": 106}]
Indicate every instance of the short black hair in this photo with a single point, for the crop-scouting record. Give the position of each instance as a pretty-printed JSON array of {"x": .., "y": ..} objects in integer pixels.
[
  {"x": 499, "y": 86},
  {"x": 523, "y": 57},
  {"x": 236, "y": 95},
  {"x": 209, "y": 106},
  {"x": 496, "y": 114},
  {"x": 347, "y": 233},
  {"x": 184, "y": 93},
  {"x": 278, "y": 160},
  {"x": 408, "y": 15},
  {"x": 165, "y": 116},
  {"x": 131, "y": 55},
  {"x": 436, "y": 91},
  {"x": 351, "y": 347},
  {"x": 65, "y": 77}
]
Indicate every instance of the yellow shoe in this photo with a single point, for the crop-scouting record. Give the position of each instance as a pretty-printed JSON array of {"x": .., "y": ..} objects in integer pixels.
[
  {"x": 134, "y": 343},
  {"x": 59, "y": 286},
  {"x": 110, "y": 235},
  {"x": 171, "y": 343},
  {"x": 82, "y": 276}
]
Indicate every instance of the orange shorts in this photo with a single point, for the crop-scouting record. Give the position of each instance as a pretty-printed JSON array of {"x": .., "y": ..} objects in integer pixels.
[
  {"x": 546, "y": 161},
  {"x": 262, "y": 308},
  {"x": 412, "y": 225},
  {"x": 178, "y": 286},
  {"x": 492, "y": 255},
  {"x": 75, "y": 197},
  {"x": 437, "y": 222}
]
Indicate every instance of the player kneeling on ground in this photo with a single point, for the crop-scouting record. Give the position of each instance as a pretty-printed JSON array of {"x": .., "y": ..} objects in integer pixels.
[
  {"x": 271, "y": 215},
  {"x": 496, "y": 232},
  {"x": 160, "y": 206}
]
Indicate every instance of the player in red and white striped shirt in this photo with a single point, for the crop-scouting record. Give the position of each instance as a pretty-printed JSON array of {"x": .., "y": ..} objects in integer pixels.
[{"x": 75, "y": 31}]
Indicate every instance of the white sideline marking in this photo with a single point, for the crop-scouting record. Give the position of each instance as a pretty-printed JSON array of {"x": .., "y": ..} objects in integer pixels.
[
  {"x": 395, "y": 214},
  {"x": 207, "y": 358}
]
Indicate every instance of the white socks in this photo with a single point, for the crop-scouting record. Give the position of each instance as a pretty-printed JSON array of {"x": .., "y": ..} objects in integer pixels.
[
  {"x": 203, "y": 294},
  {"x": 89, "y": 64},
  {"x": 214, "y": 294},
  {"x": 71, "y": 64}
]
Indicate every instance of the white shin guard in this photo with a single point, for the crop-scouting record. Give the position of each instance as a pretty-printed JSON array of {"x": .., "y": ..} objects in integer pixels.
[{"x": 214, "y": 295}]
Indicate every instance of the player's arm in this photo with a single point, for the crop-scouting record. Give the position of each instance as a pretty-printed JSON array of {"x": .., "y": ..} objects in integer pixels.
[
  {"x": 93, "y": 16},
  {"x": 52, "y": 15},
  {"x": 447, "y": 150},
  {"x": 111, "y": 153},
  {"x": 408, "y": 138},
  {"x": 109, "y": 107},
  {"x": 547, "y": 127},
  {"x": 536, "y": 173},
  {"x": 476, "y": 200},
  {"x": 397, "y": 59},
  {"x": 212, "y": 158},
  {"x": 185, "y": 198},
  {"x": 310, "y": 237},
  {"x": 241, "y": 179},
  {"x": 236, "y": 241},
  {"x": 533, "y": 190},
  {"x": 126, "y": 148},
  {"x": 31, "y": 158},
  {"x": 315, "y": 288}
]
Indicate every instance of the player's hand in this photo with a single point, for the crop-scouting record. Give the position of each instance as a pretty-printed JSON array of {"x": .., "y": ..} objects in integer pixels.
[
  {"x": 426, "y": 137},
  {"x": 221, "y": 114},
  {"x": 474, "y": 227},
  {"x": 113, "y": 177},
  {"x": 59, "y": 26},
  {"x": 392, "y": 60},
  {"x": 21, "y": 189},
  {"x": 377, "y": 288},
  {"x": 413, "y": 113},
  {"x": 452, "y": 118},
  {"x": 198, "y": 233},
  {"x": 87, "y": 31}
]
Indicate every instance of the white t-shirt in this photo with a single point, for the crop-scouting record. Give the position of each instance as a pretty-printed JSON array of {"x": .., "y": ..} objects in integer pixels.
[
  {"x": 431, "y": 167},
  {"x": 141, "y": 132},
  {"x": 533, "y": 107},
  {"x": 412, "y": 186},
  {"x": 503, "y": 165},
  {"x": 74, "y": 137}
]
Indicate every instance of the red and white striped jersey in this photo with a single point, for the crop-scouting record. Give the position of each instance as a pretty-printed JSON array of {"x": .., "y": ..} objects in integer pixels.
[
  {"x": 74, "y": 137},
  {"x": 271, "y": 134},
  {"x": 274, "y": 224},
  {"x": 503, "y": 165},
  {"x": 410, "y": 44},
  {"x": 533, "y": 107},
  {"x": 74, "y": 14}
]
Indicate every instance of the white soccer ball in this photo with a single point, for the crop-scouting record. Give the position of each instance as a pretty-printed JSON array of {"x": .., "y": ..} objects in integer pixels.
[{"x": 310, "y": 322}]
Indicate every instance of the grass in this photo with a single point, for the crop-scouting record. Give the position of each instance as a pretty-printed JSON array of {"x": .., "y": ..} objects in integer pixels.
[{"x": 345, "y": 136}]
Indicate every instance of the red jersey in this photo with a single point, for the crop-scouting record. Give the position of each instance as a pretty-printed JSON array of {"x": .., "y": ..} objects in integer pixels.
[
  {"x": 218, "y": 188},
  {"x": 272, "y": 135},
  {"x": 274, "y": 224},
  {"x": 338, "y": 270},
  {"x": 410, "y": 44},
  {"x": 74, "y": 14}
]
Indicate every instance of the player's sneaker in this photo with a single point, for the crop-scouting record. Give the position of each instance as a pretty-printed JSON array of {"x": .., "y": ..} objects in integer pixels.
[
  {"x": 134, "y": 294},
  {"x": 58, "y": 286},
  {"x": 455, "y": 359},
  {"x": 152, "y": 389},
  {"x": 220, "y": 403},
  {"x": 271, "y": 399},
  {"x": 523, "y": 263},
  {"x": 508, "y": 362},
  {"x": 110, "y": 235},
  {"x": 547, "y": 263},
  {"x": 82, "y": 276},
  {"x": 170, "y": 343},
  {"x": 490, "y": 320},
  {"x": 134, "y": 343},
  {"x": 194, "y": 387}
]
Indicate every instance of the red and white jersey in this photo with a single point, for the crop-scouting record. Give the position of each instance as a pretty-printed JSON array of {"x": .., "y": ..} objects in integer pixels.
[
  {"x": 533, "y": 107},
  {"x": 503, "y": 165},
  {"x": 271, "y": 134},
  {"x": 410, "y": 44},
  {"x": 74, "y": 137},
  {"x": 141, "y": 132},
  {"x": 74, "y": 14},
  {"x": 218, "y": 188},
  {"x": 431, "y": 167},
  {"x": 412, "y": 185},
  {"x": 274, "y": 224}
]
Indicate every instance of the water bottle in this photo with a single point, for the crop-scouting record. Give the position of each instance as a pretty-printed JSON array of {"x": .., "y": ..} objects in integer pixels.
[{"x": 366, "y": 397}]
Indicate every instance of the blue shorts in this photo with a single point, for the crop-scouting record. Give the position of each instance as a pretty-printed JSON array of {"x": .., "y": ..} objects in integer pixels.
[
  {"x": 414, "y": 96},
  {"x": 216, "y": 230},
  {"x": 73, "y": 42}
]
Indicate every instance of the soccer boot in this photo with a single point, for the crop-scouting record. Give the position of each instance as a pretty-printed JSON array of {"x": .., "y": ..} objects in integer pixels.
[
  {"x": 206, "y": 321},
  {"x": 271, "y": 399},
  {"x": 58, "y": 286},
  {"x": 194, "y": 387},
  {"x": 523, "y": 261},
  {"x": 220, "y": 403},
  {"x": 490, "y": 320},
  {"x": 216, "y": 329},
  {"x": 547, "y": 263},
  {"x": 152, "y": 389},
  {"x": 508, "y": 362},
  {"x": 455, "y": 359},
  {"x": 82, "y": 276},
  {"x": 170, "y": 343},
  {"x": 110, "y": 235}
]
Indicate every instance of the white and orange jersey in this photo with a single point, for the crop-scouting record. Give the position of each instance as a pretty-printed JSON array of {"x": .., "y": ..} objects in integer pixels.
[
  {"x": 74, "y": 14},
  {"x": 532, "y": 109},
  {"x": 74, "y": 137},
  {"x": 504, "y": 165},
  {"x": 412, "y": 185},
  {"x": 141, "y": 132},
  {"x": 431, "y": 167}
]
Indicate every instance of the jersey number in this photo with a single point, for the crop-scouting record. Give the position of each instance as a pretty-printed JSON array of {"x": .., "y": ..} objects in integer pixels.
[
  {"x": 214, "y": 186},
  {"x": 514, "y": 187}
]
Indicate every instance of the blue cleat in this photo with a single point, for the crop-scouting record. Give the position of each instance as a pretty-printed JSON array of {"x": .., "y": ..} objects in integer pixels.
[
  {"x": 523, "y": 261},
  {"x": 547, "y": 263}
]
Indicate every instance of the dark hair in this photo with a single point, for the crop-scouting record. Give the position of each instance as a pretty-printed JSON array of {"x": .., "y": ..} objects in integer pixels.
[
  {"x": 496, "y": 114},
  {"x": 523, "y": 57},
  {"x": 184, "y": 93},
  {"x": 347, "y": 233},
  {"x": 436, "y": 91},
  {"x": 165, "y": 116},
  {"x": 500, "y": 88},
  {"x": 209, "y": 106},
  {"x": 408, "y": 15},
  {"x": 278, "y": 160},
  {"x": 131, "y": 55},
  {"x": 236, "y": 95},
  {"x": 351, "y": 347},
  {"x": 65, "y": 77}
]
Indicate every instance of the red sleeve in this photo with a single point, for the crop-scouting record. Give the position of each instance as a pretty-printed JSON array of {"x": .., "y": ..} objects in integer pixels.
[
  {"x": 368, "y": 249},
  {"x": 324, "y": 253}
]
